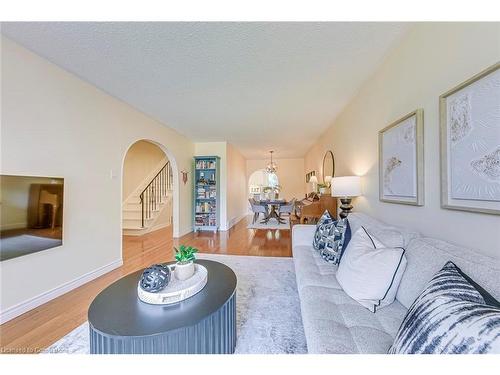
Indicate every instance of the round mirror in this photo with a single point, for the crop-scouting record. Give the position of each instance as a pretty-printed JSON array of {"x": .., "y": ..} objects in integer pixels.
[{"x": 328, "y": 167}]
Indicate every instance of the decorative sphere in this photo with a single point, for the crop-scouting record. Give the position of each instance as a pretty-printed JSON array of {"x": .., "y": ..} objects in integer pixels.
[{"x": 155, "y": 278}]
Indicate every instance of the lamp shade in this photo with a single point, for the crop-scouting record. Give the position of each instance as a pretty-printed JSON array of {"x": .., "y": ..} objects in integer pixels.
[
  {"x": 313, "y": 180},
  {"x": 348, "y": 186},
  {"x": 328, "y": 179}
]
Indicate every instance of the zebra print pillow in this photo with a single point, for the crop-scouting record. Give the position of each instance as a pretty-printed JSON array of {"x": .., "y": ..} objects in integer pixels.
[{"x": 449, "y": 317}]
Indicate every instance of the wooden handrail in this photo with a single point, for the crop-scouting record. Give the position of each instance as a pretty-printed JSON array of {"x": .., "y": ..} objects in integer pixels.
[{"x": 157, "y": 188}]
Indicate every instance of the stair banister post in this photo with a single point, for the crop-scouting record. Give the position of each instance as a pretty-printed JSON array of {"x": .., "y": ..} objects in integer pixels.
[{"x": 142, "y": 208}]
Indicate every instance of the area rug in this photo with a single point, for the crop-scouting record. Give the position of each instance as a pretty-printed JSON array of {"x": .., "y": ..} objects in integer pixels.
[
  {"x": 268, "y": 309},
  {"x": 17, "y": 246},
  {"x": 272, "y": 224}
]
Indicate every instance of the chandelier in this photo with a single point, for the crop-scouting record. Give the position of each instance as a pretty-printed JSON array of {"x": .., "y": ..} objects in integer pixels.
[{"x": 271, "y": 167}]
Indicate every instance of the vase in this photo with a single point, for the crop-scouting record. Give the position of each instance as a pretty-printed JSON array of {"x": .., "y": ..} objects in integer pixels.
[
  {"x": 184, "y": 271},
  {"x": 322, "y": 191}
]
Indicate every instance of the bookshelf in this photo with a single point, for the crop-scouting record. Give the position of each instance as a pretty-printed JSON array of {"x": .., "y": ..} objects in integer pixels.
[{"x": 206, "y": 193}]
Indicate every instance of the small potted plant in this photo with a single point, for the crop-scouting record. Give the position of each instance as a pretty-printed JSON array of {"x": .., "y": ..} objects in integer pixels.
[
  {"x": 322, "y": 188},
  {"x": 184, "y": 268}
]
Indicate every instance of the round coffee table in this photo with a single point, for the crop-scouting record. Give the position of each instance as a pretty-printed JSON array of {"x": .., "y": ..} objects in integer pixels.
[{"x": 205, "y": 323}]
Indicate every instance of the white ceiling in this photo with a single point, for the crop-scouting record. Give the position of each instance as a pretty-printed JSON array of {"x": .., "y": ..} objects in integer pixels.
[{"x": 259, "y": 86}]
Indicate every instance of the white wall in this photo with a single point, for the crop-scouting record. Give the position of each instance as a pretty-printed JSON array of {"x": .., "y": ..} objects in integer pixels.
[
  {"x": 290, "y": 173},
  {"x": 54, "y": 124},
  {"x": 431, "y": 59},
  {"x": 236, "y": 186},
  {"x": 141, "y": 160}
]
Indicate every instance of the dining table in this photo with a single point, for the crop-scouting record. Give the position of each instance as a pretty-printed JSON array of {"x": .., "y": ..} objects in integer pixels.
[{"x": 274, "y": 205}]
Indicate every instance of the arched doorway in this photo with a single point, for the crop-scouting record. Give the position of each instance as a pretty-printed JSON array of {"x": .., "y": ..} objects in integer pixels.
[
  {"x": 259, "y": 180},
  {"x": 150, "y": 198}
]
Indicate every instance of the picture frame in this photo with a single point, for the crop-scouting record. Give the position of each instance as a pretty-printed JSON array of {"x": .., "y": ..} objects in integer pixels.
[
  {"x": 309, "y": 175},
  {"x": 470, "y": 144},
  {"x": 401, "y": 160},
  {"x": 255, "y": 189}
]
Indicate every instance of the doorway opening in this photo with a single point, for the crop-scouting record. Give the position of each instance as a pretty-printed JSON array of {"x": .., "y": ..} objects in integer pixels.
[
  {"x": 261, "y": 181},
  {"x": 148, "y": 199}
]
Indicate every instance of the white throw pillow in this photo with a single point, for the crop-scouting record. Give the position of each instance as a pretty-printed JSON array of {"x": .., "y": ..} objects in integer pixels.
[{"x": 369, "y": 272}]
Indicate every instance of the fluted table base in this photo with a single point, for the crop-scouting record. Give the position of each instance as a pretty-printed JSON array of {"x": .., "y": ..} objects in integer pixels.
[{"x": 216, "y": 334}]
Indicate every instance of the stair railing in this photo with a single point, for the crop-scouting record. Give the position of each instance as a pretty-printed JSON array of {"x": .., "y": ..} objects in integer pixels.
[{"x": 152, "y": 195}]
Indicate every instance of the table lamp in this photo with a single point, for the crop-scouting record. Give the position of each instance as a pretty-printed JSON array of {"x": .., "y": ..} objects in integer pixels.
[
  {"x": 345, "y": 188},
  {"x": 314, "y": 181}
]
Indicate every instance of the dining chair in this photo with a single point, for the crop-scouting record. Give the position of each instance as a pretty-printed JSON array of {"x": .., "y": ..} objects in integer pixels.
[
  {"x": 257, "y": 209},
  {"x": 287, "y": 208}
]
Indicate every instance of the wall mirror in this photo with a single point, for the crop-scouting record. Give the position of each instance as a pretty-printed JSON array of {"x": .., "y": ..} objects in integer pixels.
[
  {"x": 328, "y": 167},
  {"x": 31, "y": 214}
]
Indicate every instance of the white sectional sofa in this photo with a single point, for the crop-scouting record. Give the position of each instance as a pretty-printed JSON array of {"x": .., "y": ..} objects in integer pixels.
[{"x": 335, "y": 323}]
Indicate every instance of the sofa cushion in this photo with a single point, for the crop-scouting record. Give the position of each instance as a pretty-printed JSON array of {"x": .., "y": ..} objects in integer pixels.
[
  {"x": 389, "y": 235},
  {"x": 426, "y": 256},
  {"x": 370, "y": 272},
  {"x": 335, "y": 323},
  {"x": 303, "y": 235},
  {"x": 449, "y": 317},
  {"x": 311, "y": 270}
]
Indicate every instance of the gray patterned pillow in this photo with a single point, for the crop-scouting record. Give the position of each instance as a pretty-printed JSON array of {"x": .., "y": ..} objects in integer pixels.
[
  {"x": 329, "y": 237},
  {"x": 449, "y": 317},
  {"x": 323, "y": 229}
]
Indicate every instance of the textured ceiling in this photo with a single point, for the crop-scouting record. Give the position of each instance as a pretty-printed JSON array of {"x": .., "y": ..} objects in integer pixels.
[{"x": 259, "y": 86}]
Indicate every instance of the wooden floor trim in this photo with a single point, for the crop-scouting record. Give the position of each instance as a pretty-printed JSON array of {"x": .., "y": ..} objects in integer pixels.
[{"x": 23, "y": 307}]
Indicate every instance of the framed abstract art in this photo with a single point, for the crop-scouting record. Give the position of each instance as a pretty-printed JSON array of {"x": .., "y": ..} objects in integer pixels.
[
  {"x": 401, "y": 160},
  {"x": 309, "y": 175},
  {"x": 470, "y": 144}
]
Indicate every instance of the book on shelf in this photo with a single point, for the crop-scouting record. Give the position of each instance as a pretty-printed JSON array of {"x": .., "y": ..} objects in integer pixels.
[
  {"x": 208, "y": 180},
  {"x": 205, "y": 207},
  {"x": 206, "y": 190},
  {"x": 205, "y": 164},
  {"x": 209, "y": 220}
]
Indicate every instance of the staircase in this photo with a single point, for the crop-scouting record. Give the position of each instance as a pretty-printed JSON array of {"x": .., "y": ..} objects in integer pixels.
[{"x": 150, "y": 203}]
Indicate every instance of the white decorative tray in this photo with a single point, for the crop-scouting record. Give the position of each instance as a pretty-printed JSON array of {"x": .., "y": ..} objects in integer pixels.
[{"x": 176, "y": 290}]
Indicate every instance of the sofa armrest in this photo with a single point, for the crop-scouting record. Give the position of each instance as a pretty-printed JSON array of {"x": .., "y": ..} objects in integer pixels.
[{"x": 303, "y": 234}]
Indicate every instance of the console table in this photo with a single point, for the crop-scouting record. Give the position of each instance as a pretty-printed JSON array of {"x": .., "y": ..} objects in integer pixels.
[
  {"x": 205, "y": 323},
  {"x": 311, "y": 210}
]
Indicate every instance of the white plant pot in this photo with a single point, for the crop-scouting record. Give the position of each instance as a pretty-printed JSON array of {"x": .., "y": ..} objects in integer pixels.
[
  {"x": 184, "y": 271},
  {"x": 322, "y": 191}
]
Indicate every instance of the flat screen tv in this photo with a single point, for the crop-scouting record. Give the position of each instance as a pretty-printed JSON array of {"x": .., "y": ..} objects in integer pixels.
[{"x": 31, "y": 214}]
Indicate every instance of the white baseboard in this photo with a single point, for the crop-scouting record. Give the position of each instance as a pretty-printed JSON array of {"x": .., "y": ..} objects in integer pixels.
[
  {"x": 158, "y": 226},
  {"x": 30, "y": 304},
  {"x": 221, "y": 228},
  {"x": 236, "y": 220},
  {"x": 184, "y": 231},
  {"x": 142, "y": 232}
]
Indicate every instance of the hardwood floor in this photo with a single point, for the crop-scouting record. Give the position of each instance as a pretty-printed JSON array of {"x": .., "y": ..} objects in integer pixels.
[
  {"x": 43, "y": 232},
  {"x": 242, "y": 241},
  {"x": 41, "y": 327}
]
